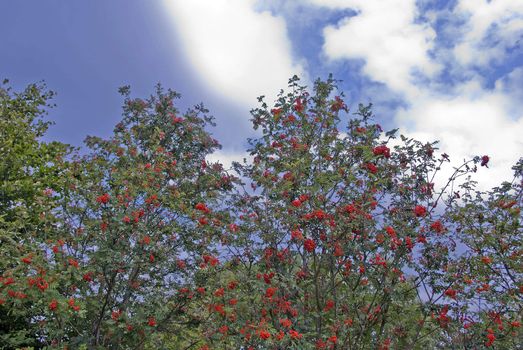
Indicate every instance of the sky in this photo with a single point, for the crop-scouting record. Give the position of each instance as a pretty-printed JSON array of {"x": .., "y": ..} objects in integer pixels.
[{"x": 447, "y": 70}]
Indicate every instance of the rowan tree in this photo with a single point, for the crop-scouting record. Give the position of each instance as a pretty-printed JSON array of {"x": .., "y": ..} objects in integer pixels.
[
  {"x": 30, "y": 172},
  {"x": 489, "y": 287},
  {"x": 340, "y": 239},
  {"x": 136, "y": 217},
  {"x": 337, "y": 236}
]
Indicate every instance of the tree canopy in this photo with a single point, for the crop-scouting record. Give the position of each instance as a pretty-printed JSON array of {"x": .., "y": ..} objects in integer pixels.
[{"x": 332, "y": 235}]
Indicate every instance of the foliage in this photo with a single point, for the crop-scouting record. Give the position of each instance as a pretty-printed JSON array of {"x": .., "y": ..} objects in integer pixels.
[
  {"x": 342, "y": 242},
  {"x": 489, "y": 225},
  {"x": 132, "y": 229},
  {"x": 30, "y": 171},
  {"x": 325, "y": 239}
]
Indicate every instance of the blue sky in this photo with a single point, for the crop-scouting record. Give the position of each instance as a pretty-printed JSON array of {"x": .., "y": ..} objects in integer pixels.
[{"x": 450, "y": 70}]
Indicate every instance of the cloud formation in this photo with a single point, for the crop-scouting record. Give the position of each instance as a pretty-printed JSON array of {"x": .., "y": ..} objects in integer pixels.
[
  {"x": 401, "y": 50},
  {"x": 236, "y": 51},
  {"x": 385, "y": 35},
  {"x": 227, "y": 157},
  {"x": 433, "y": 58},
  {"x": 472, "y": 123},
  {"x": 490, "y": 29}
]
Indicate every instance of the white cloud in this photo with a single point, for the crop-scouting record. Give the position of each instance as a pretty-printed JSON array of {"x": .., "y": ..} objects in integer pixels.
[
  {"x": 468, "y": 119},
  {"x": 238, "y": 52},
  {"x": 241, "y": 53},
  {"x": 474, "y": 123},
  {"x": 385, "y": 35},
  {"x": 226, "y": 157},
  {"x": 512, "y": 84},
  {"x": 490, "y": 28}
]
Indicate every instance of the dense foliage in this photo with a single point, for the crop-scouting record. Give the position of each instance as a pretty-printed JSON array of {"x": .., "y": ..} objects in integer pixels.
[
  {"x": 30, "y": 170},
  {"x": 332, "y": 236}
]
